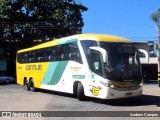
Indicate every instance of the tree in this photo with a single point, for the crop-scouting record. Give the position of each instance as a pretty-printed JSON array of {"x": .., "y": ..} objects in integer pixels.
[
  {"x": 23, "y": 21},
  {"x": 155, "y": 17}
]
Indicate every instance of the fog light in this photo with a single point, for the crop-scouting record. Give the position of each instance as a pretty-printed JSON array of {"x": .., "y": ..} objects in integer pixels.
[
  {"x": 141, "y": 84},
  {"x": 106, "y": 84}
]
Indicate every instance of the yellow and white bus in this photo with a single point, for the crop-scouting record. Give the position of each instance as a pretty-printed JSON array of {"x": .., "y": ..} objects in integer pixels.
[{"x": 94, "y": 65}]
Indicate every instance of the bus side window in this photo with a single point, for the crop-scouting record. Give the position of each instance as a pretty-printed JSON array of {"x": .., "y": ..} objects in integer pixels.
[
  {"x": 31, "y": 56},
  {"x": 61, "y": 51},
  {"x": 73, "y": 52},
  {"x": 53, "y": 54},
  {"x": 25, "y": 59},
  {"x": 47, "y": 54},
  {"x": 21, "y": 58},
  {"x": 72, "y": 56},
  {"x": 40, "y": 56},
  {"x": 85, "y": 45}
]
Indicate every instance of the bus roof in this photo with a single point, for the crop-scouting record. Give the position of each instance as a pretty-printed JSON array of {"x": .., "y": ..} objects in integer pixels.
[
  {"x": 103, "y": 38},
  {"x": 98, "y": 37}
]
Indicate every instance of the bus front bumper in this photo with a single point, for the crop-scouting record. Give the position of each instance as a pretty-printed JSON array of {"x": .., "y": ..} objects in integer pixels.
[{"x": 120, "y": 93}]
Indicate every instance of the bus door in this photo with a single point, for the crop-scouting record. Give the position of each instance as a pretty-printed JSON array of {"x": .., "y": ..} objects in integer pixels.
[{"x": 96, "y": 67}]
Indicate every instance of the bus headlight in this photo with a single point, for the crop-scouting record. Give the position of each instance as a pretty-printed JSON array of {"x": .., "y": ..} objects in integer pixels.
[
  {"x": 107, "y": 84},
  {"x": 141, "y": 84}
]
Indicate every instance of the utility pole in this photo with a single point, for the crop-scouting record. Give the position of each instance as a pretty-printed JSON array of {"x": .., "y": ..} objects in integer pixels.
[
  {"x": 158, "y": 30},
  {"x": 159, "y": 56},
  {"x": 155, "y": 17}
]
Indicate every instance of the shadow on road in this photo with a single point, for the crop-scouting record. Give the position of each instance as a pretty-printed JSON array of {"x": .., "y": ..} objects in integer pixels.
[
  {"x": 153, "y": 82},
  {"x": 4, "y": 84},
  {"x": 135, "y": 101},
  {"x": 56, "y": 93}
]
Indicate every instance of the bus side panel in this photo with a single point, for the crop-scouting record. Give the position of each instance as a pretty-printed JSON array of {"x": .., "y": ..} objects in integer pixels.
[
  {"x": 63, "y": 76},
  {"x": 36, "y": 71},
  {"x": 52, "y": 79},
  {"x": 76, "y": 73},
  {"x": 20, "y": 73}
]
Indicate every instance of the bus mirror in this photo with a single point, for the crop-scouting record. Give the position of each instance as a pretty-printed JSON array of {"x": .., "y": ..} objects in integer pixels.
[
  {"x": 146, "y": 54},
  {"x": 102, "y": 51},
  {"x": 106, "y": 60}
]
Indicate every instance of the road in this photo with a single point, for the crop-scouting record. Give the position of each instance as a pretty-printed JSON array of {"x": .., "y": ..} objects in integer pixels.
[{"x": 14, "y": 97}]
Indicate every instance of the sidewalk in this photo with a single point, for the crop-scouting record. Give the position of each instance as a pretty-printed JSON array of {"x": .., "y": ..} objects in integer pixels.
[{"x": 151, "y": 89}]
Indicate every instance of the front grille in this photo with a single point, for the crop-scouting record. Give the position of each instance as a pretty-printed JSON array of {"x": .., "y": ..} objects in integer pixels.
[{"x": 127, "y": 88}]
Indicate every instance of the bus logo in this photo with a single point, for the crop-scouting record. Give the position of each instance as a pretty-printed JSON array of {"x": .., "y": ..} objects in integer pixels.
[
  {"x": 33, "y": 67},
  {"x": 95, "y": 91}
]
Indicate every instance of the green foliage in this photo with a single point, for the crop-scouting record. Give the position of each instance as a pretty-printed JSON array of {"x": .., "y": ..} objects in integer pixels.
[
  {"x": 155, "y": 17},
  {"x": 22, "y": 21},
  {"x": 28, "y": 20}
]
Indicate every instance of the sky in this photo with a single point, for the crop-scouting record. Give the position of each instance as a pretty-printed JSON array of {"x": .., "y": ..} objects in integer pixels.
[{"x": 125, "y": 18}]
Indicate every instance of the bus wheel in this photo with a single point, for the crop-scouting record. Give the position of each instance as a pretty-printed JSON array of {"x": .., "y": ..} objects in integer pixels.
[
  {"x": 75, "y": 86},
  {"x": 80, "y": 92},
  {"x": 31, "y": 84},
  {"x": 26, "y": 84}
]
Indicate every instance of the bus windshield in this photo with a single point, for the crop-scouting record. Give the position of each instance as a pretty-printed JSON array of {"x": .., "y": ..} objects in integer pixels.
[{"x": 123, "y": 62}]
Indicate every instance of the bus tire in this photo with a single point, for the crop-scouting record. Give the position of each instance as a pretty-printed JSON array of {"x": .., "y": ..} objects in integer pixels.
[
  {"x": 75, "y": 86},
  {"x": 32, "y": 87},
  {"x": 80, "y": 92},
  {"x": 26, "y": 84}
]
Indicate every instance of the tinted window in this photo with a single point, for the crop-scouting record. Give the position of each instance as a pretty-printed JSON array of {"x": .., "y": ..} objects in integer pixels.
[
  {"x": 88, "y": 43},
  {"x": 73, "y": 52},
  {"x": 40, "y": 55},
  {"x": 85, "y": 45},
  {"x": 19, "y": 57},
  {"x": 31, "y": 56},
  {"x": 24, "y": 57},
  {"x": 47, "y": 54},
  {"x": 62, "y": 52}
]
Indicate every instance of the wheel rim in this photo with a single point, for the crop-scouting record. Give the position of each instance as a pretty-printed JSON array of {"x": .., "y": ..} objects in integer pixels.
[{"x": 7, "y": 81}]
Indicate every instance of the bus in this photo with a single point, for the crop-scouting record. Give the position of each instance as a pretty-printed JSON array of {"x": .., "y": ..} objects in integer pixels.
[{"x": 92, "y": 65}]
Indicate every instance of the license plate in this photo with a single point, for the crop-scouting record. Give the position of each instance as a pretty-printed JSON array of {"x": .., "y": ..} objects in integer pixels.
[
  {"x": 129, "y": 94},
  {"x": 121, "y": 84}
]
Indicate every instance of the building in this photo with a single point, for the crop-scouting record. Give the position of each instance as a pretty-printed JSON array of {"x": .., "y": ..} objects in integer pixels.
[
  {"x": 149, "y": 67},
  {"x": 7, "y": 65}
]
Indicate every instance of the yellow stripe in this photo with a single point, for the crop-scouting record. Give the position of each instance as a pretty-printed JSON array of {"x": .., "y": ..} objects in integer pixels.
[
  {"x": 104, "y": 38},
  {"x": 158, "y": 75}
]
